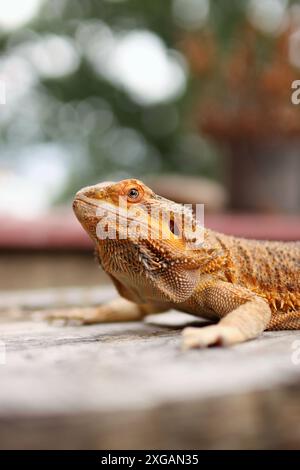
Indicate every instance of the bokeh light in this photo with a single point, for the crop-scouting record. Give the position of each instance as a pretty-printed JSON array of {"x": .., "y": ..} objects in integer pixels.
[{"x": 15, "y": 13}]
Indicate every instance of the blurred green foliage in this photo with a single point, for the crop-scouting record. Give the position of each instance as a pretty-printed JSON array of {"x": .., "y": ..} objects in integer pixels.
[
  {"x": 107, "y": 131},
  {"x": 112, "y": 134}
]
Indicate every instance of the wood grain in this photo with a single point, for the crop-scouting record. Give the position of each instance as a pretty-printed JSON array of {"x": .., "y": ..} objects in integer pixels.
[{"x": 129, "y": 385}]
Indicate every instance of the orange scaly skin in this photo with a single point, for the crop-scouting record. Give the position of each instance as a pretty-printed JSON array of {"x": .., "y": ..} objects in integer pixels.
[{"x": 246, "y": 286}]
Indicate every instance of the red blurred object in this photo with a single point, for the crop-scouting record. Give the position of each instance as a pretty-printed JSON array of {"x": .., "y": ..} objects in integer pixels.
[{"x": 62, "y": 231}]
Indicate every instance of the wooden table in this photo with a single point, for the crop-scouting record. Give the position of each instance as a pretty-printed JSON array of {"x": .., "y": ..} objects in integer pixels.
[{"x": 129, "y": 386}]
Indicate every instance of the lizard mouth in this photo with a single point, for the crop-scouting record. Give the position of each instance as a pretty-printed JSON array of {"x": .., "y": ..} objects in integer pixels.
[
  {"x": 85, "y": 207},
  {"x": 83, "y": 200},
  {"x": 103, "y": 217}
]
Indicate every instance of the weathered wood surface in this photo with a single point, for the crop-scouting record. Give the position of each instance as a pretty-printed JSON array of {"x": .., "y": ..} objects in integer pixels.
[{"x": 130, "y": 386}]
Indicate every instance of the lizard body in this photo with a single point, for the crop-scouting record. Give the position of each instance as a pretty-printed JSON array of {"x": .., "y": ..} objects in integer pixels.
[{"x": 247, "y": 286}]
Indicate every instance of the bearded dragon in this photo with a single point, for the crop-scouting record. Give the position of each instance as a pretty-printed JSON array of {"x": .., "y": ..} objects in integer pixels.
[{"x": 243, "y": 286}]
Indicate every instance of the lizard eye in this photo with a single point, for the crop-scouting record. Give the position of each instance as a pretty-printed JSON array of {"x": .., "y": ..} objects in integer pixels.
[{"x": 133, "y": 193}]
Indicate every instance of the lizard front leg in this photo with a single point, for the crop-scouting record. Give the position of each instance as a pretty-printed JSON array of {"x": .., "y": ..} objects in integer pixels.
[
  {"x": 121, "y": 309},
  {"x": 243, "y": 316},
  {"x": 118, "y": 310}
]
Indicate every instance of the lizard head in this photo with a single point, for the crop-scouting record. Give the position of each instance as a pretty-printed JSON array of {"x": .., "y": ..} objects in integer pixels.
[
  {"x": 100, "y": 207},
  {"x": 130, "y": 210},
  {"x": 159, "y": 238}
]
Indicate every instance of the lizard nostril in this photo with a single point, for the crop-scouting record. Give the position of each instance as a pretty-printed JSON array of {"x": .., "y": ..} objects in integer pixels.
[{"x": 92, "y": 193}]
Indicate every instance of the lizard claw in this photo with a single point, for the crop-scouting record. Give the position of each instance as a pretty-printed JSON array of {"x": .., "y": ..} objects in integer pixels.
[{"x": 213, "y": 335}]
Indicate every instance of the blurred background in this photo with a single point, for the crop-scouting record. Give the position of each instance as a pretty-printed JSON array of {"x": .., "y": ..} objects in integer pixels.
[{"x": 192, "y": 96}]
